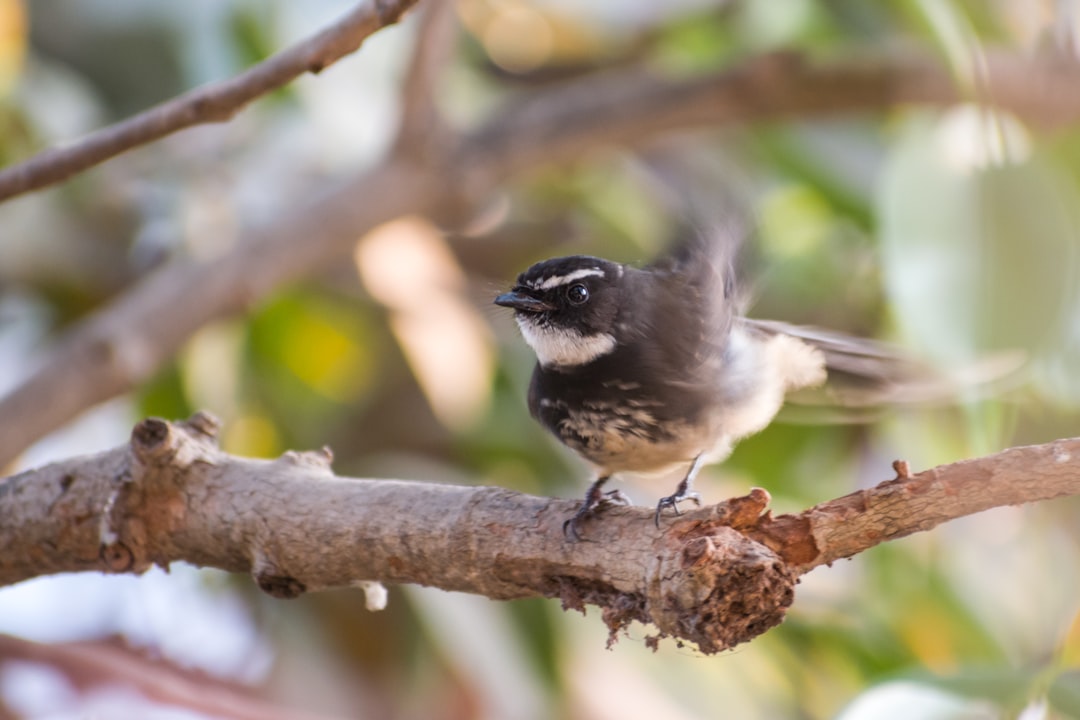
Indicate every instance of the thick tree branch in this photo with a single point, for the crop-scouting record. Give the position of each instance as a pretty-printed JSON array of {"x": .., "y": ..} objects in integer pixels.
[
  {"x": 216, "y": 102},
  {"x": 716, "y": 576},
  {"x": 130, "y": 339}
]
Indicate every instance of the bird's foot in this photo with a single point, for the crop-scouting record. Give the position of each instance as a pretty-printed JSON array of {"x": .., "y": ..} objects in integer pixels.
[
  {"x": 593, "y": 504},
  {"x": 672, "y": 501}
]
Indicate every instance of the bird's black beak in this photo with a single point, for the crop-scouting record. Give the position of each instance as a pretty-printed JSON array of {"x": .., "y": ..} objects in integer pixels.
[{"x": 521, "y": 299}]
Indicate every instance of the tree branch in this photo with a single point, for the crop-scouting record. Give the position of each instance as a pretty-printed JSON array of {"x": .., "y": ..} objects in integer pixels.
[
  {"x": 216, "y": 102},
  {"x": 99, "y": 664},
  {"x": 716, "y": 576},
  {"x": 130, "y": 339},
  {"x": 422, "y": 129},
  {"x": 631, "y": 106},
  {"x": 126, "y": 342}
]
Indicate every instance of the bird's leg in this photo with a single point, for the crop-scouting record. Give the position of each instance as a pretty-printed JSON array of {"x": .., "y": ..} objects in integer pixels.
[
  {"x": 682, "y": 492},
  {"x": 595, "y": 499}
]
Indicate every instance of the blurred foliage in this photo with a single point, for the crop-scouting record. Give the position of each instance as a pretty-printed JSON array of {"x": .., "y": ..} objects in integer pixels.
[{"x": 953, "y": 233}]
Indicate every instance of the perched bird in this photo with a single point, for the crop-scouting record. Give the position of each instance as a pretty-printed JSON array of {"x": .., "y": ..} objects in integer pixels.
[{"x": 646, "y": 369}]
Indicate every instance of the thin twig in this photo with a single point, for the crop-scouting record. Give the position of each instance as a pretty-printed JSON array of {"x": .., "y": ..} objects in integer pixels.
[{"x": 216, "y": 102}]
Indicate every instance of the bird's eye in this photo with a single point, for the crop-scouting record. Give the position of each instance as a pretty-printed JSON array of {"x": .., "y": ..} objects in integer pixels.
[{"x": 577, "y": 294}]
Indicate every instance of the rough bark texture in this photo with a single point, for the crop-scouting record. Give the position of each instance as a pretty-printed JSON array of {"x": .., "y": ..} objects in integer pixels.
[{"x": 715, "y": 577}]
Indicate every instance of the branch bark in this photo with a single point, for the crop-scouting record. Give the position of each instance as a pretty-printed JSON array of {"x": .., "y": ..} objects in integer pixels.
[
  {"x": 130, "y": 339},
  {"x": 216, "y": 102},
  {"x": 716, "y": 576}
]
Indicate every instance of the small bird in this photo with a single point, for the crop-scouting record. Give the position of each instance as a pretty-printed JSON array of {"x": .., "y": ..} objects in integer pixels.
[{"x": 644, "y": 370}]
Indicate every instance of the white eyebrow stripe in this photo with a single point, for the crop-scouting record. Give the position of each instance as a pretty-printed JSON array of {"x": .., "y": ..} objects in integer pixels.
[{"x": 558, "y": 280}]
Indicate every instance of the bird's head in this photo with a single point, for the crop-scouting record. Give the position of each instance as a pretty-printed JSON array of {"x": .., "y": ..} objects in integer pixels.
[{"x": 567, "y": 309}]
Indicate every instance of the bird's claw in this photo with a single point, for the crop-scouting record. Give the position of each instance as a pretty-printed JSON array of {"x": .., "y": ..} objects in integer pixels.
[
  {"x": 612, "y": 498},
  {"x": 672, "y": 501}
]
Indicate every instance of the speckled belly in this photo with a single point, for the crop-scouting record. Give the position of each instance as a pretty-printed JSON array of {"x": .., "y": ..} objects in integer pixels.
[{"x": 622, "y": 436}]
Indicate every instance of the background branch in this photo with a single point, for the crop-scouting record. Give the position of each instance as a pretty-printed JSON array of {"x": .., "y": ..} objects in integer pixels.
[
  {"x": 422, "y": 128},
  {"x": 216, "y": 102},
  {"x": 630, "y": 106},
  {"x": 131, "y": 338},
  {"x": 106, "y": 664},
  {"x": 717, "y": 576}
]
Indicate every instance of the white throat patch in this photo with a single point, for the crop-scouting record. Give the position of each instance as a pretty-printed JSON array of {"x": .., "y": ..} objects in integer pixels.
[{"x": 562, "y": 347}]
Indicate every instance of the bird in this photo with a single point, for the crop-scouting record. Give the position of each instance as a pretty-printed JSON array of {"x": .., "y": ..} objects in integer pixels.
[{"x": 647, "y": 369}]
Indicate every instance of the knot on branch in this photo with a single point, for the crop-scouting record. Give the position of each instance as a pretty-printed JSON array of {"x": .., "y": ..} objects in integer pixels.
[
  {"x": 156, "y": 442},
  {"x": 205, "y": 424},
  {"x": 321, "y": 459},
  {"x": 116, "y": 557},
  {"x": 282, "y": 587},
  {"x": 710, "y": 580},
  {"x": 149, "y": 500},
  {"x": 717, "y": 589},
  {"x": 273, "y": 580},
  {"x": 151, "y": 439}
]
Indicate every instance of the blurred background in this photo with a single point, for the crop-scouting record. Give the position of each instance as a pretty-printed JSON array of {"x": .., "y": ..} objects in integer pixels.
[{"x": 953, "y": 232}]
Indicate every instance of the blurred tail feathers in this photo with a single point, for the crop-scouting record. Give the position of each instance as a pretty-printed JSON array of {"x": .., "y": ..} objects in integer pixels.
[{"x": 864, "y": 375}]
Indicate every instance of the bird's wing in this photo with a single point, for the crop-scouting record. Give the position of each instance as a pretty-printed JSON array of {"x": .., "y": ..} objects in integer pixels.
[{"x": 698, "y": 296}]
